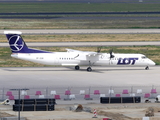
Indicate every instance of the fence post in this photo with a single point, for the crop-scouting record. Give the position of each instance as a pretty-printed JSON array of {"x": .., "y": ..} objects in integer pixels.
[
  {"x": 47, "y": 92},
  {"x": 3, "y": 94},
  {"x": 131, "y": 90}
]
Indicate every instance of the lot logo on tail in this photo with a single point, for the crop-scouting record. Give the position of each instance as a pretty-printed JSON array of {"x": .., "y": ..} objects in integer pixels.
[{"x": 16, "y": 43}]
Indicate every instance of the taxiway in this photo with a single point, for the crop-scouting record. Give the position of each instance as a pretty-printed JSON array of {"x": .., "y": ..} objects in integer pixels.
[
  {"x": 88, "y": 31},
  {"x": 63, "y": 77}
]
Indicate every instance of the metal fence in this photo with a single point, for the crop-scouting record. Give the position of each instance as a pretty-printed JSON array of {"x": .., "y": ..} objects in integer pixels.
[{"x": 79, "y": 93}]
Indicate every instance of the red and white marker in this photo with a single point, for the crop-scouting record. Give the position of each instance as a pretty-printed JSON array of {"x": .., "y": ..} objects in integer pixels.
[{"x": 95, "y": 114}]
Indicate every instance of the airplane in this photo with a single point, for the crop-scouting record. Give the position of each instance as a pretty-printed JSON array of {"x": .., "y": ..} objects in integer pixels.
[{"x": 72, "y": 57}]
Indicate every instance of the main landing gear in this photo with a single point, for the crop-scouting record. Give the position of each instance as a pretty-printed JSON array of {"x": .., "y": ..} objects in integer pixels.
[
  {"x": 77, "y": 67},
  {"x": 89, "y": 69},
  {"x": 147, "y": 68}
]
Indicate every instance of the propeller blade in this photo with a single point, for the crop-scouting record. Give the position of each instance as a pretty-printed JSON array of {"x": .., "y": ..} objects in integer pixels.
[
  {"x": 111, "y": 54},
  {"x": 99, "y": 49}
]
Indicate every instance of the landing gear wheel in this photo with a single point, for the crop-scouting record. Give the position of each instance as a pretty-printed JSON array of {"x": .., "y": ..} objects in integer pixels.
[
  {"x": 89, "y": 69},
  {"x": 77, "y": 67},
  {"x": 147, "y": 68}
]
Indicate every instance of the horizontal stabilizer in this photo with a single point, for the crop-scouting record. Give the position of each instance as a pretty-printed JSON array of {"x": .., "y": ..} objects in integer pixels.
[{"x": 13, "y": 32}]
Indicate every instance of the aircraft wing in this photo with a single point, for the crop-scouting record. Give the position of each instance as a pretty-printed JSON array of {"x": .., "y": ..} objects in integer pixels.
[
  {"x": 85, "y": 55},
  {"x": 93, "y": 54},
  {"x": 72, "y": 50},
  {"x": 88, "y": 53}
]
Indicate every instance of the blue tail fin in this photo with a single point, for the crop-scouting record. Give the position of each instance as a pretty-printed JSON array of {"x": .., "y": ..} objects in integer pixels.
[{"x": 17, "y": 43}]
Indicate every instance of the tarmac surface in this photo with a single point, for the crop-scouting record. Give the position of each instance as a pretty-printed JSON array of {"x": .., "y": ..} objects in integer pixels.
[
  {"x": 84, "y": 44},
  {"x": 65, "y": 77},
  {"x": 88, "y": 31}
]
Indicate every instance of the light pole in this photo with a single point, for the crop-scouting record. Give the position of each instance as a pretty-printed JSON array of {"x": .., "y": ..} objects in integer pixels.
[{"x": 19, "y": 99}]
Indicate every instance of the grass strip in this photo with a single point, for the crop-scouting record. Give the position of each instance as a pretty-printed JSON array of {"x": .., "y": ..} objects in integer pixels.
[
  {"x": 34, "y": 7},
  {"x": 79, "y": 23},
  {"x": 88, "y": 38}
]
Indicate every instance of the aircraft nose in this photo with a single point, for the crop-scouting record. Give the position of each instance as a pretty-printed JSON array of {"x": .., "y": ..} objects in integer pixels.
[{"x": 152, "y": 63}]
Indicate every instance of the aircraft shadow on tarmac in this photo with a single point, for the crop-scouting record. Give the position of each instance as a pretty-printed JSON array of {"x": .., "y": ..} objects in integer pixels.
[{"x": 99, "y": 70}]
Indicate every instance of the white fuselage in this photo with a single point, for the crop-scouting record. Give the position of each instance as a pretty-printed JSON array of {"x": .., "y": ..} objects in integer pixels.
[{"x": 83, "y": 59}]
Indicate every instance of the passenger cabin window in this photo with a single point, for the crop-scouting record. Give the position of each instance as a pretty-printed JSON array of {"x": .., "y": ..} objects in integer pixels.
[{"x": 144, "y": 57}]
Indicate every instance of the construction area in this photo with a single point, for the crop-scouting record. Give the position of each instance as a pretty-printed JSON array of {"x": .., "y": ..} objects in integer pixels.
[
  {"x": 124, "y": 111},
  {"x": 74, "y": 104}
]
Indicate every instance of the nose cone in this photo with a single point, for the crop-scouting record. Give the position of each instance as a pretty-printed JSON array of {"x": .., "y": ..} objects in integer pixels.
[{"x": 151, "y": 63}]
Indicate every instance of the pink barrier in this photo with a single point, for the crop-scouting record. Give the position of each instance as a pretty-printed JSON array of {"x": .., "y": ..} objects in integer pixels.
[
  {"x": 26, "y": 97},
  {"x": 118, "y": 95},
  {"x": 147, "y": 95},
  {"x": 11, "y": 98},
  {"x": 86, "y": 96},
  {"x": 9, "y": 93},
  {"x": 96, "y": 92},
  {"x": 125, "y": 92},
  {"x": 57, "y": 97},
  {"x": 153, "y": 91},
  {"x": 38, "y": 93},
  {"x": 67, "y": 92}
]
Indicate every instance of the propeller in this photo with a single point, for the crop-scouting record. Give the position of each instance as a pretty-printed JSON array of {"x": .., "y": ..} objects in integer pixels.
[
  {"x": 111, "y": 54},
  {"x": 99, "y": 49}
]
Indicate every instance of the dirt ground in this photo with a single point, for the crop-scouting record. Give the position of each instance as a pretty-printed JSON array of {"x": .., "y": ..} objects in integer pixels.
[{"x": 65, "y": 112}]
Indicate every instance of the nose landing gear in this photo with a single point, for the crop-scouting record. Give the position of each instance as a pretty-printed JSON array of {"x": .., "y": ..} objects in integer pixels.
[{"x": 147, "y": 68}]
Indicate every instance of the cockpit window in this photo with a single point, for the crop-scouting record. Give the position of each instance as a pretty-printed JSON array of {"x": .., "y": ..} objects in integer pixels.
[{"x": 144, "y": 57}]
